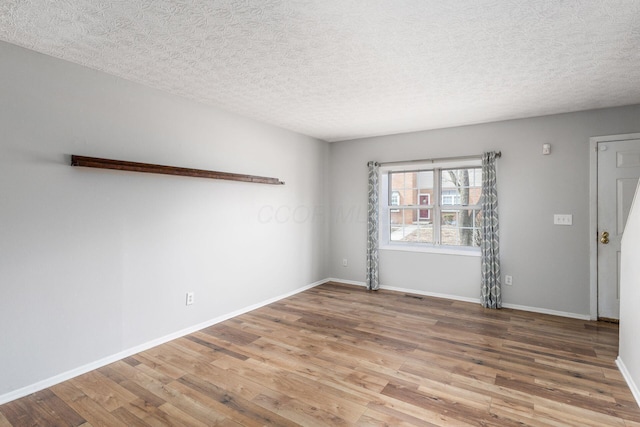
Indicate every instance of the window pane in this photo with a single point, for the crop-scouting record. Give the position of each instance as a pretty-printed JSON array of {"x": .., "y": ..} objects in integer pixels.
[
  {"x": 460, "y": 227},
  {"x": 411, "y": 188},
  {"x": 461, "y": 186},
  {"x": 411, "y": 225}
]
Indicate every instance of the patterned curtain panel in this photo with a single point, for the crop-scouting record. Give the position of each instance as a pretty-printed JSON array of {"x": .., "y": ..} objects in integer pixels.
[
  {"x": 372, "y": 228},
  {"x": 491, "y": 296}
]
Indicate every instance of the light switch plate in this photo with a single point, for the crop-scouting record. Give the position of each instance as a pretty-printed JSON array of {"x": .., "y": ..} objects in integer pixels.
[{"x": 559, "y": 219}]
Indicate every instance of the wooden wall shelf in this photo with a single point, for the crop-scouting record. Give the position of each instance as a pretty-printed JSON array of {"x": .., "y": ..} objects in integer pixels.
[{"x": 94, "y": 162}]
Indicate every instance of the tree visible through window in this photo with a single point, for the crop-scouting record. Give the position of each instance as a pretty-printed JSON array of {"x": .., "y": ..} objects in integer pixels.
[
  {"x": 462, "y": 206},
  {"x": 438, "y": 207}
]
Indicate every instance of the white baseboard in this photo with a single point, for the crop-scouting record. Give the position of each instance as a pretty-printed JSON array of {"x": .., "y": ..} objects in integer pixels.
[
  {"x": 627, "y": 377},
  {"x": 431, "y": 294},
  {"x": 408, "y": 291},
  {"x": 346, "y": 282},
  {"x": 547, "y": 311},
  {"x": 468, "y": 299},
  {"x": 41, "y": 385}
]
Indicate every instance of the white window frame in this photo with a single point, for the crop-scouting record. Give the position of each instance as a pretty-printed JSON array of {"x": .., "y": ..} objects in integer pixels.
[{"x": 385, "y": 242}]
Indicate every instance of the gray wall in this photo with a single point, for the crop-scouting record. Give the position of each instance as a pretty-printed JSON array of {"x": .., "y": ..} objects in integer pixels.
[
  {"x": 95, "y": 262},
  {"x": 549, "y": 264},
  {"x": 629, "y": 354}
]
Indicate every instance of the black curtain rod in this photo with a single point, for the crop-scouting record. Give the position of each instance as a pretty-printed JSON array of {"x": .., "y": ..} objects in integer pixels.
[{"x": 439, "y": 159}]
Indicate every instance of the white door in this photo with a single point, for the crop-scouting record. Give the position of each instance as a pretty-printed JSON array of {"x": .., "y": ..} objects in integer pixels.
[{"x": 618, "y": 172}]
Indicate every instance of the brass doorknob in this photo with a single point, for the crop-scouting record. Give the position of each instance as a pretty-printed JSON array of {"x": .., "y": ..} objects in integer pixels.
[{"x": 604, "y": 239}]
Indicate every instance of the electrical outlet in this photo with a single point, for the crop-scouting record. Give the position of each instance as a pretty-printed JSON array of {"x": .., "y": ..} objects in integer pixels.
[
  {"x": 344, "y": 262},
  {"x": 508, "y": 280},
  {"x": 190, "y": 298}
]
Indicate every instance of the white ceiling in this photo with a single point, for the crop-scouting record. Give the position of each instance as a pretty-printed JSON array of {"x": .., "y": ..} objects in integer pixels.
[{"x": 342, "y": 69}]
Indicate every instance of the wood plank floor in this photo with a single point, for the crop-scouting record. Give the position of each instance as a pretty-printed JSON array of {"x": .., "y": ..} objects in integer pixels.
[{"x": 339, "y": 355}]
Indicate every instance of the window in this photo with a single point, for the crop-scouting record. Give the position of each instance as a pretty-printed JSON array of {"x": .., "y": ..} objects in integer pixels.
[
  {"x": 450, "y": 197},
  {"x": 410, "y": 221},
  {"x": 431, "y": 207},
  {"x": 395, "y": 200},
  {"x": 460, "y": 206}
]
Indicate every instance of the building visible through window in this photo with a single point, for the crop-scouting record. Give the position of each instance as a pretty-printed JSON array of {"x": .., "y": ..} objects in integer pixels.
[{"x": 432, "y": 207}]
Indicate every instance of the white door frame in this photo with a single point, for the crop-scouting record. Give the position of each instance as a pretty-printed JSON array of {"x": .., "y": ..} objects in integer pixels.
[{"x": 593, "y": 214}]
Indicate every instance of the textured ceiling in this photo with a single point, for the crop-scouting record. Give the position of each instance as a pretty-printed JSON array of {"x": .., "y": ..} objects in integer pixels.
[{"x": 342, "y": 69}]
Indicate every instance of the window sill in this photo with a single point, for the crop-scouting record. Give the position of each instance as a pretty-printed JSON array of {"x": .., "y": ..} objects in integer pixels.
[{"x": 443, "y": 250}]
